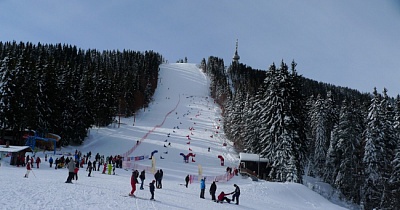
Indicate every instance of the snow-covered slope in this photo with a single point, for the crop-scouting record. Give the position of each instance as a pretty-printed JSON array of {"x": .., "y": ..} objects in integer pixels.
[{"x": 181, "y": 102}]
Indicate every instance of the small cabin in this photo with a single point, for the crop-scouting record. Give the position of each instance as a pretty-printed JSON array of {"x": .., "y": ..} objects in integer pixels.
[
  {"x": 17, "y": 153},
  {"x": 254, "y": 164}
]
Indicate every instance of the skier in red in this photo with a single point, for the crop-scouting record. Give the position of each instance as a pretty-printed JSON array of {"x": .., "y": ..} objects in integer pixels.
[
  {"x": 104, "y": 169},
  {"x": 28, "y": 169},
  {"x": 133, "y": 183},
  {"x": 38, "y": 162}
]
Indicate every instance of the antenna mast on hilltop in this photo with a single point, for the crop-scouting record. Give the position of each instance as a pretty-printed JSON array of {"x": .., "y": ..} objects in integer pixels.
[{"x": 236, "y": 57}]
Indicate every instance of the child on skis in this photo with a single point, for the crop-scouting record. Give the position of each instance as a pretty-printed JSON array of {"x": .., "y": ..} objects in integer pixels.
[{"x": 28, "y": 169}]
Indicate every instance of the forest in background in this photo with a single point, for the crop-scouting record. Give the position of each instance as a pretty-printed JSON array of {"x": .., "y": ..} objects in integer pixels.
[
  {"x": 346, "y": 138},
  {"x": 66, "y": 90}
]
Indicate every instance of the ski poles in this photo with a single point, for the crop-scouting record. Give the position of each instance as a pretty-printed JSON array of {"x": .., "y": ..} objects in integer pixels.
[{"x": 33, "y": 174}]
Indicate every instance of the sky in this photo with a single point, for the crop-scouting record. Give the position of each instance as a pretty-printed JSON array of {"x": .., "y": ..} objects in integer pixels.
[
  {"x": 184, "y": 104},
  {"x": 346, "y": 43}
]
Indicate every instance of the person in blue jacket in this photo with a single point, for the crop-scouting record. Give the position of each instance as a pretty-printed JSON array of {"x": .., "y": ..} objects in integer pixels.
[{"x": 202, "y": 187}]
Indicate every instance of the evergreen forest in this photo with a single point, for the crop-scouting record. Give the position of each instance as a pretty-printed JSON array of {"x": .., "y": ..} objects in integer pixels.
[
  {"x": 302, "y": 127},
  {"x": 65, "y": 90}
]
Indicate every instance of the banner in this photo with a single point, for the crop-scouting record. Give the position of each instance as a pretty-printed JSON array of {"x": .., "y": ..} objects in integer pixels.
[{"x": 200, "y": 171}]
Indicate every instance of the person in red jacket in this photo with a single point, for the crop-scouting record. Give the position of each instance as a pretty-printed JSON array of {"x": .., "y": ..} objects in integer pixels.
[
  {"x": 222, "y": 197},
  {"x": 28, "y": 169},
  {"x": 133, "y": 183},
  {"x": 38, "y": 160}
]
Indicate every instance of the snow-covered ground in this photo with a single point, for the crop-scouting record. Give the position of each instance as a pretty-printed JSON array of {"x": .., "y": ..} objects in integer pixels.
[{"x": 181, "y": 100}]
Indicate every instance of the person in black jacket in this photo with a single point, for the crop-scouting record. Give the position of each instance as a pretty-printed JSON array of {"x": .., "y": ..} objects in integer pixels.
[
  {"x": 187, "y": 180},
  {"x": 157, "y": 178},
  {"x": 142, "y": 178},
  {"x": 161, "y": 177},
  {"x": 213, "y": 189},
  {"x": 236, "y": 194},
  {"x": 152, "y": 189}
]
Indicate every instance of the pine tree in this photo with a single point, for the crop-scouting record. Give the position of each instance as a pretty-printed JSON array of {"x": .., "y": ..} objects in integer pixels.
[
  {"x": 373, "y": 157},
  {"x": 348, "y": 134}
]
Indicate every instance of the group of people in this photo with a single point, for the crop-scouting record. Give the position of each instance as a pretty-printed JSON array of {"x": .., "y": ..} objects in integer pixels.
[
  {"x": 222, "y": 196},
  {"x": 142, "y": 176}
]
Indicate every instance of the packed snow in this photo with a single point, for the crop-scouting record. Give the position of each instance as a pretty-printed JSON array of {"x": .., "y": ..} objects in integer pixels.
[{"x": 182, "y": 114}]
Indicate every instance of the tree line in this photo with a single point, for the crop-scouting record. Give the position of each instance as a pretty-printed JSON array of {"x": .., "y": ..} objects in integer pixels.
[
  {"x": 303, "y": 127},
  {"x": 66, "y": 90}
]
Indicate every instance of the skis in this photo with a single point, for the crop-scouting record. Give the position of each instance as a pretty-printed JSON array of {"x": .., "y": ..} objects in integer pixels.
[{"x": 133, "y": 196}]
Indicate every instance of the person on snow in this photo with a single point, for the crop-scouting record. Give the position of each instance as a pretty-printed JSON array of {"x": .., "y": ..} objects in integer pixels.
[
  {"x": 71, "y": 168},
  {"x": 152, "y": 189},
  {"x": 134, "y": 181},
  {"x": 90, "y": 168},
  {"x": 38, "y": 160},
  {"x": 113, "y": 167},
  {"x": 157, "y": 178},
  {"x": 187, "y": 180},
  {"x": 28, "y": 169},
  {"x": 94, "y": 165},
  {"x": 88, "y": 164},
  {"x": 27, "y": 159},
  {"x": 109, "y": 169},
  {"x": 76, "y": 170},
  {"x": 236, "y": 194},
  {"x": 222, "y": 197},
  {"x": 213, "y": 189},
  {"x": 161, "y": 177},
  {"x": 142, "y": 178},
  {"x": 104, "y": 168},
  {"x": 56, "y": 162},
  {"x": 32, "y": 160},
  {"x": 202, "y": 187},
  {"x": 51, "y": 161}
]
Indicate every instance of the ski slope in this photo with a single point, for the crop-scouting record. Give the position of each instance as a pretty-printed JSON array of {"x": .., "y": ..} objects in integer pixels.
[{"x": 181, "y": 102}]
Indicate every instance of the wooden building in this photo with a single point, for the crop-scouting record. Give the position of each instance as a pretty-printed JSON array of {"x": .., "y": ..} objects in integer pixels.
[
  {"x": 255, "y": 165},
  {"x": 16, "y": 153}
]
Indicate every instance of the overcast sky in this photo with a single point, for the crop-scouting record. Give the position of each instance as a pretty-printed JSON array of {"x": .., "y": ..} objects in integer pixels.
[{"x": 353, "y": 43}]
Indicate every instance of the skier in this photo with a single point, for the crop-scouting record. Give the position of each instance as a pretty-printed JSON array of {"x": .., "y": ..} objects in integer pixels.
[
  {"x": 38, "y": 160},
  {"x": 142, "y": 178},
  {"x": 51, "y": 161},
  {"x": 213, "y": 189},
  {"x": 157, "y": 178},
  {"x": 202, "y": 188},
  {"x": 161, "y": 177},
  {"x": 187, "y": 180},
  {"x": 222, "y": 197},
  {"x": 236, "y": 194},
  {"x": 133, "y": 183},
  {"x": 89, "y": 164},
  {"x": 76, "y": 170},
  {"x": 109, "y": 168},
  {"x": 152, "y": 189},
  {"x": 71, "y": 168},
  {"x": 113, "y": 167},
  {"x": 90, "y": 168},
  {"x": 104, "y": 169},
  {"x": 56, "y": 162},
  {"x": 28, "y": 169}
]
